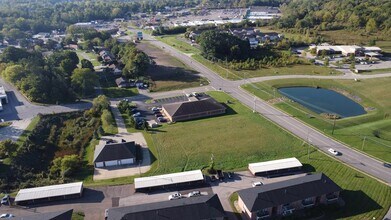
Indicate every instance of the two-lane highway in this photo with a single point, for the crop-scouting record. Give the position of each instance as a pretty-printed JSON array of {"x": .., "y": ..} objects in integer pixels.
[{"x": 349, "y": 156}]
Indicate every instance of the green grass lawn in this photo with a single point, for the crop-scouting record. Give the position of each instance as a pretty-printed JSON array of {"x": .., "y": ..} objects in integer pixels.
[
  {"x": 241, "y": 137},
  {"x": 376, "y": 71},
  {"x": 82, "y": 54},
  {"x": 375, "y": 126},
  {"x": 174, "y": 41}
]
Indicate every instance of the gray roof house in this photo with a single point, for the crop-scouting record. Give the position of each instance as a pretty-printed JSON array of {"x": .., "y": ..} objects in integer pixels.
[
  {"x": 189, "y": 110},
  {"x": 115, "y": 154},
  {"x": 59, "y": 215},
  {"x": 282, "y": 198},
  {"x": 193, "y": 208}
]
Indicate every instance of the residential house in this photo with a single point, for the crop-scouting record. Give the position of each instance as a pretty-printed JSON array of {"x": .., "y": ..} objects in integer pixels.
[
  {"x": 115, "y": 154},
  {"x": 124, "y": 83},
  {"x": 283, "y": 198},
  {"x": 204, "y": 207}
]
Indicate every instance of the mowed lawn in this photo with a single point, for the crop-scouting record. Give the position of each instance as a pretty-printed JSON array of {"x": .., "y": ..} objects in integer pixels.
[
  {"x": 169, "y": 73},
  {"x": 374, "y": 127},
  {"x": 241, "y": 137},
  {"x": 309, "y": 69}
]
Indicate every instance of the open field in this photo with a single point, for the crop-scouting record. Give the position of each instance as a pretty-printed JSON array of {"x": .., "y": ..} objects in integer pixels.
[
  {"x": 184, "y": 47},
  {"x": 240, "y": 137},
  {"x": 376, "y": 71},
  {"x": 169, "y": 73},
  {"x": 374, "y": 127},
  {"x": 89, "y": 56}
]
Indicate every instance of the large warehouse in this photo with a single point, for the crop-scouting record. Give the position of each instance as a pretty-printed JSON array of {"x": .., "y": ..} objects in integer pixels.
[
  {"x": 167, "y": 180},
  {"x": 49, "y": 193},
  {"x": 275, "y": 167}
]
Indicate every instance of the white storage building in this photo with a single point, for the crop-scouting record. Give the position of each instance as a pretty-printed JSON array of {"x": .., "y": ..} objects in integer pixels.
[
  {"x": 275, "y": 166},
  {"x": 3, "y": 97},
  {"x": 172, "y": 179},
  {"x": 49, "y": 193}
]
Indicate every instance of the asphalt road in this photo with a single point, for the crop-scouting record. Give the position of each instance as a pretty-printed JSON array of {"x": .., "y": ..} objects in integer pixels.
[{"x": 349, "y": 156}]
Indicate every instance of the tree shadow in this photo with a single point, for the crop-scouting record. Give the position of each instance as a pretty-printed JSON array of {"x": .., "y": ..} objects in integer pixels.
[{"x": 168, "y": 73}]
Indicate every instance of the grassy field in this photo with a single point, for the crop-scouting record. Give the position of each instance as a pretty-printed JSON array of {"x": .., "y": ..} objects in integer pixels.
[
  {"x": 375, "y": 126},
  {"x": 241, "y": 137},
  {"x": 169, "y": 73},
  {"x": 110, "y": 88},
  {"x": 82, "y": 54},
  {"x": 176, "y": 42}
]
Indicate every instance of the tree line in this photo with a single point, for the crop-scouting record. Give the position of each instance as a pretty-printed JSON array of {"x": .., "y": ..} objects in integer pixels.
[
  {"x": 372, "y": 15},
  {"x": 51, "y": 79}
]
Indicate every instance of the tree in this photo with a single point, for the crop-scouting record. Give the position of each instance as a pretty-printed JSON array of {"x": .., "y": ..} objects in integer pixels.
[
  {"x": 326, "y": 61},
  {"x": 371, "y": 26},
  {"x": 100, "y": 103},
  {"x": 68, "y": 66},
  {"x": 7, "y": 148},
  {"x": 87, "y": 64},
  {"x": 83, "y": 82},
  {"x": 64, "y": 166}
]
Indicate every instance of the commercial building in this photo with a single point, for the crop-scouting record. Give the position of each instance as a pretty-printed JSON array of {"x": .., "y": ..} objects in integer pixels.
[
  {"x": 167, "y": 180},
  {"x": 193, "y": 208},
  {"x": 346, "y": 50},
  {"x": 59, "y": 215},
  {"x": 115, "y": 154},
  {"x": 3, "y": 97},
  {"x": 49, "y": 193},
  {"x": 192, "y": 109},
  {"x": 283, "y": 198},
  {"x": 275, "y": 167}
]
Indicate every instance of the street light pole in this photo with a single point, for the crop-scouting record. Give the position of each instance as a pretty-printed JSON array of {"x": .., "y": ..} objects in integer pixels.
[
  {"x": 363, "y": 143},
  {"x": 254, "y": 105}
]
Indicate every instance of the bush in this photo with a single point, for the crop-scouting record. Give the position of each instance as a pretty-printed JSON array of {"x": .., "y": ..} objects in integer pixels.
[{"x": 108, "y": 122}]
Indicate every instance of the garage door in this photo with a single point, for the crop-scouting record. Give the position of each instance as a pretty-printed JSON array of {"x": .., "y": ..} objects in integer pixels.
[
  {"x": 99, "y": 164},
  {"x": 111, "y": 163},
  {"x": 127, "y": 161}
]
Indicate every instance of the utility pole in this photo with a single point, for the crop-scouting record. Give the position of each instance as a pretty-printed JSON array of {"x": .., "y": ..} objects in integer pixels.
[
  {"x": 363, "y": 143},
  {"x": 335, "y": 117},
  {"x": 309, "y": 144}
]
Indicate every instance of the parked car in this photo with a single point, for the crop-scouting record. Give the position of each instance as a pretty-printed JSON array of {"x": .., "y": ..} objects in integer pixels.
[
  {"x": 110, "y": 141},
  {"x": 7, "y": 215},
  {"x": 220, "y": 175},
  {"x": 159, "y": 115},
  {"x": 257, "y": 184},
  {"x": 334, "y": 152},
  {"x": 137, "y": 114},
  {"x": 230, "y": 175},
  {"x": 194, "y": 193},
  {"x": 155, "y": 109},
  {"x": 161, "y": 119},
  {"x": 5, "y": 199},
  {"x": 175, "y": 196},
  {"x": 213, "y": 178},
  {"x": 388, "y": 165},
  {"x": 106, "y": 213}
]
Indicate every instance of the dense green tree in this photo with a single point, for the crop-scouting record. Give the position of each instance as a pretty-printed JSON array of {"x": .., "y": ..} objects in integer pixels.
[
  {"x": 99, "y": 104},
  {"x": 7, "y": 148},
  {"x": 83, "y": 82},
  {"x": 87, "y": 64}
]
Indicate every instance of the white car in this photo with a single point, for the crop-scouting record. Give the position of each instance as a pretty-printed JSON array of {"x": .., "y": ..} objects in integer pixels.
[
  {"x": 257, "y": 184},
  {"x": 334, "y": 152},
  {"x": 7, "y": 215},
  {"x": 194, "y": 193},
  {"x": 175, "y": 196}
]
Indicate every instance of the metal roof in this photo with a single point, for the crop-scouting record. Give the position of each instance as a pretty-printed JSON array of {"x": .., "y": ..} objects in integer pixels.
[
  {"x": 168, "y": 179},
  {"x": 274, "y": 165},
  {"x": 49, "y": 191}
]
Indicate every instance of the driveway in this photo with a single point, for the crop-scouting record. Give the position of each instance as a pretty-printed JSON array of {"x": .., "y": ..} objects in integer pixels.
[{"x": 138, "y": 138}]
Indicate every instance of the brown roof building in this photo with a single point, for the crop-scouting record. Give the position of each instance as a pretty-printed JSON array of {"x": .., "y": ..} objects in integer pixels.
[{"x": 189, "y": 110}]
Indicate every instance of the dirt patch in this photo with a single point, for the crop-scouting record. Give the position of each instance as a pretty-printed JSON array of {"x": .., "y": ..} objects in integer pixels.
[{"x": 169, "y": 73}]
